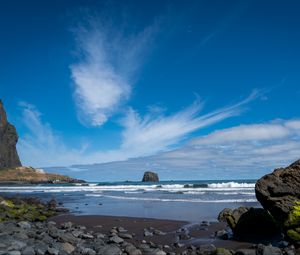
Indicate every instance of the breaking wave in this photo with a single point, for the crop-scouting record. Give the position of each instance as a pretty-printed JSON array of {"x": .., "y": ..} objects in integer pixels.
[{"x": 174, "y": 200}]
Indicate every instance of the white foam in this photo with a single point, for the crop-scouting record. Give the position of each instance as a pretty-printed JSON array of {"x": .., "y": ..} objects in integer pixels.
[
  {"x": 92, "y": 187},
  {"x": 133, "y": 192},
  {"x": 175, "y": 200},
  {"x": 231, "y": 185},
  {"x": 194, "y": 192},
  {"x": 235, "y": 193}
]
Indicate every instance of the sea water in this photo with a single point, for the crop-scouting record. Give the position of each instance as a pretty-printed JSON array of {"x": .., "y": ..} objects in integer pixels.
[{"x": 178, "y": 200}]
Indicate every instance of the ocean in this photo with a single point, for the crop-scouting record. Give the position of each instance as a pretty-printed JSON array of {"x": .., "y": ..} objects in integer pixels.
[{"x": 191, "y": 201}]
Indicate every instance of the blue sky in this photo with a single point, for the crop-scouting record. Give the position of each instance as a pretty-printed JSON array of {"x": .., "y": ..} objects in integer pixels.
[{"x": 190, "y": 89}]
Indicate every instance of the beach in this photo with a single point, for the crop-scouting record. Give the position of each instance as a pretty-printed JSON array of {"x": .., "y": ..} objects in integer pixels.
[
  {"x": 135, "y": 218},
  {"x": 201, "y": 233},
  {"x": 172, "y": 216}
]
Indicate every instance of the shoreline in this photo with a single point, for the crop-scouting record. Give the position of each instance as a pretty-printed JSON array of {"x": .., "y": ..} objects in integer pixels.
[{"x": 64, "y": 232}]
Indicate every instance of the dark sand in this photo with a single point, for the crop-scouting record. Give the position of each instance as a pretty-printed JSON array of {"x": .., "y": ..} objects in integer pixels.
[{"x": 200, "y": 234}]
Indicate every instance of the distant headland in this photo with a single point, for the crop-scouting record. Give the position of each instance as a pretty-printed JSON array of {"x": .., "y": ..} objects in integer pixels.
[{"x": 11, "y": 169}]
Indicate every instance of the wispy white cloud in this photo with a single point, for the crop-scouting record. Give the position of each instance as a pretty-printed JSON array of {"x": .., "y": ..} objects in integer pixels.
[
  {"x": 152, "y": 133},
  {"x": 141, "y": 136},
  {"x": 233, "y": 153},
  {"x": 249, "y": 150},
  {"x": 257, "y": 132},
  {"x": 105, "y": 71},
  {"x": 41, "y": 146}
]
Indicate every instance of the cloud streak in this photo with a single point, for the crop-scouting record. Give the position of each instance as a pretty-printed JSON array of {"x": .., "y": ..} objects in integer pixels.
[
  {"x": 240, "y": 152},
  {"x": 150, "y": 134},
  {"x": 106, "y": 68},
  {"x": 249, "y": 150},
  {"x": 141, "y": 136},
  {"x": 41, "y": 145}
]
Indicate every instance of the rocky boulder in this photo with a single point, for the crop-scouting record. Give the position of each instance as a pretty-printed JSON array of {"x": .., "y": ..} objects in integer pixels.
[
  {"x": 8, "y": 139},
  {"x": 279, "y": 193},
  {"x": 150, "y": 177},
  {"x": 250, "y": 224},
  {"x": 256, "y": 224}
]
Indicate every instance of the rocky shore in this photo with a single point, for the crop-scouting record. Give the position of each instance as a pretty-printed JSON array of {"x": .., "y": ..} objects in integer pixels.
[
  {"x": 30, "y": 227},
  {"x": 29, "y": 209},
  {"x": 55, "y": 238}
]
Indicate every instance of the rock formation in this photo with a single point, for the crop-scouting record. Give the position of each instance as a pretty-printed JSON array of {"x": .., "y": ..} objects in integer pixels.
[
  {"x": 279, "y": 193},
  {"x": 250, "y": 224},
  {"x": 150, "y": 177},
  {"x": 8, "y": 139}
]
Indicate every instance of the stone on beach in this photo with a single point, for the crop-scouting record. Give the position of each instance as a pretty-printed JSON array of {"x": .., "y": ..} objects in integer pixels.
[
  {"x": 110, "y": 249},
  {"x": 24, "y": 224},
  {"x": 116, "y": 239},
  {"x": 132, "y": 250},
  {"x": 28, "y": 251},
  {"x": 68, "y": 248},
  {"x": 125, "y": 235},
  {"x": 147, "y": 233},
  {"x": 245, "y": 252},
  {"x": 268, "y": 250}
]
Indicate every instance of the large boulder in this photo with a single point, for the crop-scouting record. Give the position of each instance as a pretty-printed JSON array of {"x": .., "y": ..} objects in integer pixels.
[
  {"x": 279, "y": 193},
  {"x": 250, "y": 224},
  {"x": 8, "y": 139},
  {"x": 256, "y": 224},
  {"x": 150, "y": 177}
]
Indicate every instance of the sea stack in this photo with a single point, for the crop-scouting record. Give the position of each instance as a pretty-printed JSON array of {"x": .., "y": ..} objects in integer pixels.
[
  {"x": 150, "y": 177},
  {"x": 9, "y": 157}
]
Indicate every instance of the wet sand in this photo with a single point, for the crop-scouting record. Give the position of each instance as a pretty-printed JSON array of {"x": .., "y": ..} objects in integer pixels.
[{"x": 199, "y": 234}]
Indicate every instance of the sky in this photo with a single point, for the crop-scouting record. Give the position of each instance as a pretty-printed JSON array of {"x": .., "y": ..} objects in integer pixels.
[{"x": 105, "y": 90}]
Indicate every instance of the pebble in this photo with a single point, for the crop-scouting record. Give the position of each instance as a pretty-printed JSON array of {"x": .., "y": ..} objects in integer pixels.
[
  {"x": 87, "y": 236},
  {"x": 52, "y": 251},
  {"x": 121, "y": 230},
  {"x": 132, "y": 250},
  {"x": 116, "y": 239},
  {"x": 17, "y": 245},
  {"x": 101, "y": 236},
  {"x": 205, "y": 224},
  {"x": 28, "y": 251},
  {"x": 24, "y": 224},
  {"x": 68, "y": 248},
  {"x": 222, "y": 234},
  {"x": 110, "y": 249},
  {"x": 125, "y": 236},
  {"x": 179, "y": 245},
  {"x": 67, "y": 225},
  {"x": 245, "y": 252},
  {"x": 159, "y": 232},
  {"x": 147, "y": 233},
  {"x": 88, "y": 251},
  {"x": 14, "y": 253}
]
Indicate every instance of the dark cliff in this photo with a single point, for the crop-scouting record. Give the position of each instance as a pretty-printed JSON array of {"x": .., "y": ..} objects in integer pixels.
[{"x": 9, "y": 157}]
